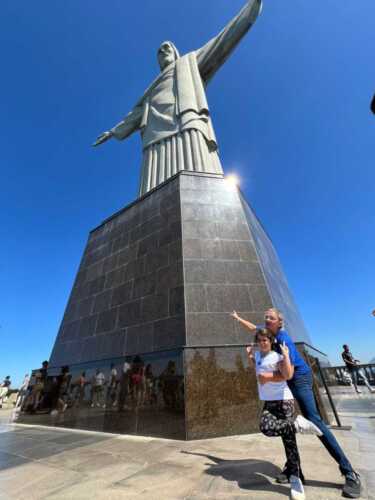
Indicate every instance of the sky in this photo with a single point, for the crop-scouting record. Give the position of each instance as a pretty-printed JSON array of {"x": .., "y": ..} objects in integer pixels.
[{"x": 291, "y": 112}]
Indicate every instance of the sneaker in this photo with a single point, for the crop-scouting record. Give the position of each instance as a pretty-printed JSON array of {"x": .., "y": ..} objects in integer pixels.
[
  {"x": 283, "y": 477},
  {"x": 352, "y": 486},
  {"x": 304, "y": 426},
  {"x": 359, "y": 391},
  {"x": 296, "y": 488}
]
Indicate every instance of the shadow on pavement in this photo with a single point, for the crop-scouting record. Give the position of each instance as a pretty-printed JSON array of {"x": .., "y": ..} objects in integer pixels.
[
  {"x": 249, "y": 474},
  {"x": 257, "y": 475}
]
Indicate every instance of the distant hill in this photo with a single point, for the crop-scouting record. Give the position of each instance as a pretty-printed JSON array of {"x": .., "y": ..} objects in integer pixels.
[{"x": 372, "y": 361}]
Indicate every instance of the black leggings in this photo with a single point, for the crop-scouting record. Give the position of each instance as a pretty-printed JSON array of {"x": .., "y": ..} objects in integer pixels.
[{"x": 277, "y": 419}]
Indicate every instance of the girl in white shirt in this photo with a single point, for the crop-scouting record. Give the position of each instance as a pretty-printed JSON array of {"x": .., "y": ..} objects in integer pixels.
[{"x": 277, "y": 418}]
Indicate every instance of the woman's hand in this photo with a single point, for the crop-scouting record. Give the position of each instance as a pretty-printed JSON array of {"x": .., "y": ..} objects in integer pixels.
[
  {"x": 263, "y": 378},
  {"x": 284, "y": 350},
  {"x": 235, "y": 316},
  {"x": 249, "y": 351}
]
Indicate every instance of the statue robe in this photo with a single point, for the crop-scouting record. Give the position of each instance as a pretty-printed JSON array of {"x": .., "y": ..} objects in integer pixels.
[{"x": 173, "y": 114}]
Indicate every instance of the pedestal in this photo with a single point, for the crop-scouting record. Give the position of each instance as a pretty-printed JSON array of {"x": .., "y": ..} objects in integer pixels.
[{"x": 150, "y": 308}]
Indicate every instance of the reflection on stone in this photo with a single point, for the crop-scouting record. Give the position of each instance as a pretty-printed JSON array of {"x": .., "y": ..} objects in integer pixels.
[
  {"x": 139, "y": 395},
  {"x": 221, "y": 393},
  {"x": 313, "y": 357}
]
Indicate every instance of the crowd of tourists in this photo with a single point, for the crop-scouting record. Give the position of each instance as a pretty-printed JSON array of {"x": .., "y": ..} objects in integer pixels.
[{"x": 123, "y": 386}]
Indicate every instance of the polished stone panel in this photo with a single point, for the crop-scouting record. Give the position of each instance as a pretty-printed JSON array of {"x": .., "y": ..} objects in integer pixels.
[
  {"x": 140, "y": 395},
  {"x": 130, "y": 277},
  {"x": 221, "y": 393},
  {"x": 275, "y": 278}
]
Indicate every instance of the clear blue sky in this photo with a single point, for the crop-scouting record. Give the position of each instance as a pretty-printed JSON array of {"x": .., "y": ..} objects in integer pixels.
[{"x": 291, "y": 111}]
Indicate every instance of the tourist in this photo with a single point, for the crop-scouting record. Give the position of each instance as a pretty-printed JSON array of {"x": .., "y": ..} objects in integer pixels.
[
  {"x": 36, "y": 392},
  {"x": 112, "y": 389},
  {"x": 354, "y": 370},
  {"x": 138, "y": 381},
  {"x": 98, "y": 383},
  {"x": 4, "y": 389},
  {"x": 22, "y": 393},
  {"x": 63, "y": 389},
  {"x": 277, "y": 417},
  {"x": 124, "y": 386},
  {"x": 81, "y": 389},
  {"x": 151, "y": 397},
  {"x": 300, "y": 383}
]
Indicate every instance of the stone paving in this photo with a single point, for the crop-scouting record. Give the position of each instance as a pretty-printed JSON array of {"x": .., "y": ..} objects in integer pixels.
[{"x": 54, "y": 464}]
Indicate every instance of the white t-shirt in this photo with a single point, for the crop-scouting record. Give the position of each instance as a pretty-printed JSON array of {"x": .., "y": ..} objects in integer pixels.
[
  {"x": 272, "y": 391},
  {"x": 99, "y": 379}
]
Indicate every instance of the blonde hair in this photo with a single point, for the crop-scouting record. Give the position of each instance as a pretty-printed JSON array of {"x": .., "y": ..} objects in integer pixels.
[{"x": 279, "y": 315}]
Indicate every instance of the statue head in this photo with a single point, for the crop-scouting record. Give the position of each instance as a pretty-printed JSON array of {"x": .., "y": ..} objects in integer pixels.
[{"x": 167, "y": 54}]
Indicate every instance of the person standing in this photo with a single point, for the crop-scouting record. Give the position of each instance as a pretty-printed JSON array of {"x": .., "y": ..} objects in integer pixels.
[
  {"x": 277, "y": 417},
  {"x": 23, "y": 391},
  {"x": 98, "y": 389},
  {"x": 4, "y": 389},
  {"x": 354, "y": 370},
  {"x": 301, "y": 385},
  {"x": 81, "y": 389},
  {"x": 112, "y": 389}
]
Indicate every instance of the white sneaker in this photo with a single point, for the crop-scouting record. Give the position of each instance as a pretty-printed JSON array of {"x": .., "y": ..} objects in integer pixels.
[
  {"x": 304, "y": 426},
  {"x": 296, "y": 488}
]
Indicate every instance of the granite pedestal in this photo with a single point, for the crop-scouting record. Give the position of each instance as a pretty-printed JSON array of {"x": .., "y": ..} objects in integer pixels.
[{"x": 150, "y": 309}]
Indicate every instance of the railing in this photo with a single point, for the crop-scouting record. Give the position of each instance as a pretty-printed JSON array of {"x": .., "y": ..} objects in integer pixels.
[{"x": 340, "y": 375}]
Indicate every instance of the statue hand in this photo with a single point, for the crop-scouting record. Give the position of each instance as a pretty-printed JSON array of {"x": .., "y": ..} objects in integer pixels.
[{"x": 105, "y": 136}]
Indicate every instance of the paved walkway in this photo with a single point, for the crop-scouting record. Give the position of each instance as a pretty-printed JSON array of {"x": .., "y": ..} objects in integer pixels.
[{"x": 41, "y": 463}]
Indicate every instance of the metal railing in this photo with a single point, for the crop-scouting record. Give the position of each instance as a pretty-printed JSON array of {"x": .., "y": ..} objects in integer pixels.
[{"x": 340, "y": 375}]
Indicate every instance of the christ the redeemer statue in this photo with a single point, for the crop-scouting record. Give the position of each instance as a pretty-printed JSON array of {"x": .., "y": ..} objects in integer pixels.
[{"x": 173, "y": 114}]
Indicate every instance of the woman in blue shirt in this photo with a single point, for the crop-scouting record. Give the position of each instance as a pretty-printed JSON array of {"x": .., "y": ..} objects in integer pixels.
[{"x": 301, "y": 385}]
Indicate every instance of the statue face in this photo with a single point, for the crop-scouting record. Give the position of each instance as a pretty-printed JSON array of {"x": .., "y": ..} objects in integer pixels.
[{"x": 166, "y": 55}]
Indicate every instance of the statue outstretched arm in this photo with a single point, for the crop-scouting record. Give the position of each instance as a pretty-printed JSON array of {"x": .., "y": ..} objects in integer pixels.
[
  {"x": 214, "y": 54},
  {"x": 124, "y": 129}
]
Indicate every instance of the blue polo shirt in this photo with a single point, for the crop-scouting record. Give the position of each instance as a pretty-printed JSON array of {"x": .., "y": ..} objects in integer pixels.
[{"x": 296, "y": 359}]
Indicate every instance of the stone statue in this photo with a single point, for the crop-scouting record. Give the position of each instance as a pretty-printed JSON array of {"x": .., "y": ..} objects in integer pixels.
[{"x": 173, "y": 115}]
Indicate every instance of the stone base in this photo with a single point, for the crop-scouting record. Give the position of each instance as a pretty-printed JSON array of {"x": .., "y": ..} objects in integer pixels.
[{"x": 153, "y": 297}]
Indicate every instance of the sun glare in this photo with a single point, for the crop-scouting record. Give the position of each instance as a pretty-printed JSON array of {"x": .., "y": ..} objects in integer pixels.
[{"x": 232, "y": 180}]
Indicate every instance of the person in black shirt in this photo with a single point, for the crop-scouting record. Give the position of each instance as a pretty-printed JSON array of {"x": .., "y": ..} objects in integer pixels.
[{"x": 354, "y": 371}]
